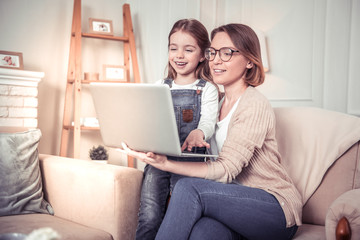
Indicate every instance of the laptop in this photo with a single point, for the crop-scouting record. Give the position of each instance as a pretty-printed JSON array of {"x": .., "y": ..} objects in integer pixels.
[{"x": 140, "y": 115}]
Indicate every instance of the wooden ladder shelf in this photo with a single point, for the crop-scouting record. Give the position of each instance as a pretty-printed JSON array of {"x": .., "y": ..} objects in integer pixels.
[{"x": 72, "y": 107}]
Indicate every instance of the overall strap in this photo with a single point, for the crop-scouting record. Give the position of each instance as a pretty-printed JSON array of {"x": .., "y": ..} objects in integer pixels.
[
  {"x": 200, "y": 85},
  {"x": 168, "y": 81}
]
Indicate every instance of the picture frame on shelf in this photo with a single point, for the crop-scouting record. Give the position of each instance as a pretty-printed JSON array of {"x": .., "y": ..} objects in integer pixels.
[
  {"x": 11, "y": 60},
  {"x": 101, "y": 26},
  {"x": 114, "y": 72}
]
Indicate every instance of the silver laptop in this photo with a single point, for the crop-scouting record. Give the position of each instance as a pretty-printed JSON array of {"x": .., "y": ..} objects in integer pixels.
[{"x": 139, "y": 114}]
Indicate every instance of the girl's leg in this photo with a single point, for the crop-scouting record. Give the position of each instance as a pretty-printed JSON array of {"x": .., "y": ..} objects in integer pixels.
[
  {"x": 252, "y": 213},
  {"x": 154, "y": 193}
]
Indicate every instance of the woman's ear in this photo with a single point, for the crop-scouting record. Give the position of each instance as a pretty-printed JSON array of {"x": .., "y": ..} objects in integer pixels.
[
  {"x": 249, "y": 65},
  {"x": 202, "y": 59}
]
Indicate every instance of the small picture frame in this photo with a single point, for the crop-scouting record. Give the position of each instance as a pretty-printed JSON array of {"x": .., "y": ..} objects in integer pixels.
[
  {"x": 114, "y": 72},
  {"x": 101, "y": 26},
  {"x": 11, "y": 60}
]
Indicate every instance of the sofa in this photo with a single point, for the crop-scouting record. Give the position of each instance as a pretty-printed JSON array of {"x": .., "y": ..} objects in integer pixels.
[
  {"x": 87, "y": 199},
  {"x": 320, "y": 149}
]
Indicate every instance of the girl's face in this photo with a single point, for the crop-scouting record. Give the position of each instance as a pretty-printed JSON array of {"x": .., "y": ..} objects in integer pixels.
[
  {"x": 184, "y": 54},
  {"x": 232, "y": 71}
]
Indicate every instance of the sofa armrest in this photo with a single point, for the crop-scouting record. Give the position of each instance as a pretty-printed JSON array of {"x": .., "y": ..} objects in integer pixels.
[
  {"x": 343, "y": 216},
  {"x": 97, "y": 195}
]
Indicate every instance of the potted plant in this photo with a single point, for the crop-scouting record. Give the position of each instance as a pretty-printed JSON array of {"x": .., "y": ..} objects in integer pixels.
[{"x": 98, "y": 153}]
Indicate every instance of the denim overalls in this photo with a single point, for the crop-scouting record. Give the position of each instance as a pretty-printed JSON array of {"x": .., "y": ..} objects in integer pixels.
[{"x": 156, "y": 183}]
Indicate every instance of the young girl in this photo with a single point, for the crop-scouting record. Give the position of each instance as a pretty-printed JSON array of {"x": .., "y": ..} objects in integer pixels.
[{"x": 195, "y": 101}]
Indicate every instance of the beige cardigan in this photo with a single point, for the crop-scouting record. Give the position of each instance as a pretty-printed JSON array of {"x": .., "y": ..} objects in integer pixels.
[{"x": 250, "y": 155}]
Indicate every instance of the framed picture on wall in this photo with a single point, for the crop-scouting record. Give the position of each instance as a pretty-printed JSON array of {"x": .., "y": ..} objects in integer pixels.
[
  {"x": 114, "y": 72},
  {"x": 11, "y": 60},
  {"x": 101, "y": 26}
]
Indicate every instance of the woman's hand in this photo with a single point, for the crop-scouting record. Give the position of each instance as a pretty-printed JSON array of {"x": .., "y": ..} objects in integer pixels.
[
  {"x": 195, "y": 139},
  {"x": 191, "y": 169},
  {"x": 153, "y": 159}
]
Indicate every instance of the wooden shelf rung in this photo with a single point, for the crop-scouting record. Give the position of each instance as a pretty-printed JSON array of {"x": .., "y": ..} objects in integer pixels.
[
  {"x": 107, "y": 37},
  {"x": 94, "y": 81},
  {"x": 67, "y": 127}
]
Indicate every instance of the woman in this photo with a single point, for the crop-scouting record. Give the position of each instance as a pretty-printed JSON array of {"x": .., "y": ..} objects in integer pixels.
[{"x": 259, "y": 200}]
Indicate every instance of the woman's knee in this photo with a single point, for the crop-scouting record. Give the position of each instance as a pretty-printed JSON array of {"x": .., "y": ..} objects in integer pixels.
[
  {"x": 184, "y": 191},
  {"x": 189, "y": 186},
  {"x": 211, "y": 229},
  {"x": 183, "y": 185}
]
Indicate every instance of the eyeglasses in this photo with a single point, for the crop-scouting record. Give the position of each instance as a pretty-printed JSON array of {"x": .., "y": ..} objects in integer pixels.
[{"x": 225, "y": 53}]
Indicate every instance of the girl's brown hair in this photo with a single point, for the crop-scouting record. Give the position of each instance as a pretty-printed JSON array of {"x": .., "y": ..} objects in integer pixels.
[
  {"x": 246, "y": 41},
  {"x": 198, "y": 31}
]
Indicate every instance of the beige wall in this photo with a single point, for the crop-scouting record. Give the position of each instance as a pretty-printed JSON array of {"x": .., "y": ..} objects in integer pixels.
[{"x": 312, "y": 47}]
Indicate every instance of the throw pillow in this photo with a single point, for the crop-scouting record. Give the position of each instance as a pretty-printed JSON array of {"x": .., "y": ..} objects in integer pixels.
[
  {"x": 310, "y": 140},
  {"x": 20, "y": 178}
]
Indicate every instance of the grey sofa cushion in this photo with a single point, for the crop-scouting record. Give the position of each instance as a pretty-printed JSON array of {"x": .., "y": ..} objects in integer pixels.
[{"x": 20, "y": 178}]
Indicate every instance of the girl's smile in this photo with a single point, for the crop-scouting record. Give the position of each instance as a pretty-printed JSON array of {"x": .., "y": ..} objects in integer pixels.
[{"x": 180, "y": 64}]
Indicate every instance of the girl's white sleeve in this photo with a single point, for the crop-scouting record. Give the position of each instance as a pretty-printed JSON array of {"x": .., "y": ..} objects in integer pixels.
[{"x": 209, "y": 110}]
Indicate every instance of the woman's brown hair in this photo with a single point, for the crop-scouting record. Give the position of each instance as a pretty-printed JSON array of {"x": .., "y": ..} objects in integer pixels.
[
  {"x": 246, "y": 41},
  {"x": 198, "y": 31}
]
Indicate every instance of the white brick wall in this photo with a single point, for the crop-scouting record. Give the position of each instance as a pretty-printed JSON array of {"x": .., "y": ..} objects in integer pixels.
[
  {"x": 22, "y": 112},
  {"x": 11, "y": 122},
  {"x": 4, "y": 90},
  {"x": 30, "y": 102},
  {"x": 4, "y": 112},
  {"x": 23, "y": 91},
  {"x": 18, "y": 97},
  {"x": 6, "y": 100},
  {"x": 30, "y": 122}
]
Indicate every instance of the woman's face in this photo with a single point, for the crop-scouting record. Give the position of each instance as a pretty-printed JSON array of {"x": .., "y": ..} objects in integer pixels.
[
  {"x": 227, "y": 73},
  {"x": 184, "y": 54}
]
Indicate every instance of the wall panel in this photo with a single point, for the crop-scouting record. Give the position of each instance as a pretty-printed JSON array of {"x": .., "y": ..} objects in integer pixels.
[
  {"x": 337, "y": 50},
  {"x": 354, "y": 60}
]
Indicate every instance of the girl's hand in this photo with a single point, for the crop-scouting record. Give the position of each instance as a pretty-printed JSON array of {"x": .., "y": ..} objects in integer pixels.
[
  {"x": 153, "y": 159},
  {"x": 195, "y": 139}
]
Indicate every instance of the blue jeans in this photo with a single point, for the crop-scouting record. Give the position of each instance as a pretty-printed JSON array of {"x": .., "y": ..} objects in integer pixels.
[
  {"x": 154, "y": 194},
  {"x": 204, "y": 209}
]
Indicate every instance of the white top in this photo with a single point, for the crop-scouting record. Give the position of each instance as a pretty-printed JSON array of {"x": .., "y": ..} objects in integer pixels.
[
  {"x": 221, "y": 128},
  {"x": 209, "y": 105}
]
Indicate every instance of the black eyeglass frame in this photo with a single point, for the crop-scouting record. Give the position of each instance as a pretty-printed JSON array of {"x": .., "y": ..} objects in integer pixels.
[{"x": 208, "y": 57}]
